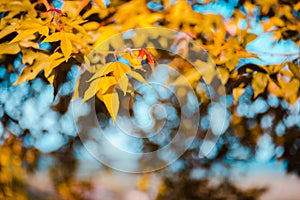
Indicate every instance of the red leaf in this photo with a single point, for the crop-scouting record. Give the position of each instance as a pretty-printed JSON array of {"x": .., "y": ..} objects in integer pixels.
[
  {"x": 58, "y": 11},
  {"x": 149, "y": 57},
  {"x": 142, "y": 52}
]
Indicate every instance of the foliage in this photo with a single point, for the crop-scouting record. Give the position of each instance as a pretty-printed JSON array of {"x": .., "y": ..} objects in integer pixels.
[
  {"x": 51, "y": 40},
  {"x": 71, "y": 32}
]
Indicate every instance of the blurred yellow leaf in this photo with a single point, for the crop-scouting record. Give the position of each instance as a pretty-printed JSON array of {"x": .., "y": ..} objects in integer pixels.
[
  {"x": 237, "y": 92},
  {"x": 295, "y": 69},
  {"x": 297, "y": 6},
  {"x": 190, "y": 76},
  {"x": 224, "y": 74},
  {"x": 134, "y": 62},
  {"x": 259, "y": 83},
  {"x": 291, "y": 91}
]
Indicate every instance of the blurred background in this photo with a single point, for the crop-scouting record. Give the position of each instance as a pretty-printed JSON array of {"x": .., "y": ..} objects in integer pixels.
[{"x": 256, "y": 157}]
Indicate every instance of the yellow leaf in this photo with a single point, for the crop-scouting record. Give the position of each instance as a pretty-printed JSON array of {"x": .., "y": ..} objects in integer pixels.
[
  {"x": 259, "y": 83},
  {"x": 29, "y": 55},
  {"x": 120, "y": 70},
  {"x": 134, "y": 62},
  {"x": 237, "y": 92},
  {"x": 250, "y": 37},
  {"x": 111, "y": 101},
  {"x": 291, "y": 92},
  {"x": 297, "y": 6},
  {"x": 295, "y": 69},
  {"x": 103, "y": 84},
  {"x": 106, "y": 32},
  {"x": 24, "y": 34},
  {"x": 7, "y": 48},
  {"x": 52, "y": 66},
  {"x": 54, "y": 37},
  {"x": 27, "y": 43},
  {"x": 206, "y": 69},
  {"x": 79, "y": 28},
  {"x": 123, "y": 84},
  {"x": 224, "y": 74},
  {"x": 74, "y": 38},
  {"x": 137, "y": 76},
  {"x": 8, "y": 30},
  {"x": 91, "y": 91},
  {"x": 103, "y": 71},
  {"x": 44, "y": 30},
  {"x": 65, "y": 45},
  {"x": 31, "y": 72},
  {"x": 190, "y": 77},
  {"x": 51, "y": 79},
  {"x": 54, "y": 56},
  {"x": 107, "y": 83},
  {"x": 76, "y": 90},
  {"x": 54, "y": 60},
  {"x": 31, "y": 24},
  {"x": 81, "y": 6},
  {"x": 91, "y": 26}
]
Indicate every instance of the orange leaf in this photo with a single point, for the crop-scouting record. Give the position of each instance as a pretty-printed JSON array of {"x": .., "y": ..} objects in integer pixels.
[{"x": 120, "y": 70}]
